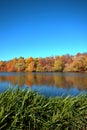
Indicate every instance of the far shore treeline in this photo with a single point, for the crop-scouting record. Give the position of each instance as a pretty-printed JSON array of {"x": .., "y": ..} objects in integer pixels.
[{"x": 64, "y": 63}]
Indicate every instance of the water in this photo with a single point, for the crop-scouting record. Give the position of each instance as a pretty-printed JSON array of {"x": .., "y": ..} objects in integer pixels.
[{"x": 48, "y": 84}]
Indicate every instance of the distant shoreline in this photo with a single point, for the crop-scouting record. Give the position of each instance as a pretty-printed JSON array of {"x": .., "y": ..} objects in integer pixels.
[{"x": 65, "y": 63}]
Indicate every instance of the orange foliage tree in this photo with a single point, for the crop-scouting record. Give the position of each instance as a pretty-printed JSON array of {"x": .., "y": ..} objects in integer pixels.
[{"x": 77, "y": 63}]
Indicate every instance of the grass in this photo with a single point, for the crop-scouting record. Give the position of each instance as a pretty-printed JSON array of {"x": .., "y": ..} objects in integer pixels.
[{"x": 26, "y": 110}]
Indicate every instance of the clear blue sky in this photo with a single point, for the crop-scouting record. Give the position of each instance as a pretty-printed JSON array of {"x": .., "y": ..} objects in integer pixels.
[{"x": 41, "y": 28}]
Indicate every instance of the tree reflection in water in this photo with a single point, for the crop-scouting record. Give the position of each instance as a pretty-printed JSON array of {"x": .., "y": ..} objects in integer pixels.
[{"x": 59, "y": 80}]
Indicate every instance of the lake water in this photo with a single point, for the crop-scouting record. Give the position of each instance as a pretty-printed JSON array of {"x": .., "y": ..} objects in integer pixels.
[{"x": 48, "y": 84}]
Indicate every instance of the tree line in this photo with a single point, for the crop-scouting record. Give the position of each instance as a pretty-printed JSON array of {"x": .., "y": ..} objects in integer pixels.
[{"x": 64, "y": 63}]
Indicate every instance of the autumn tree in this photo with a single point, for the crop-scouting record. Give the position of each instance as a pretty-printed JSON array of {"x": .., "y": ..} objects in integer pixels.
[
  {"x": 67, "y": 62},
  {"x": 2, "y": 66},
  {"x": 31, "y": 67},
  {"x": 58, "y": 65},
  {"x": 20, "y": 65},
  {"x": 10, "y": 65},
  {"x": 40, "y": 65}
]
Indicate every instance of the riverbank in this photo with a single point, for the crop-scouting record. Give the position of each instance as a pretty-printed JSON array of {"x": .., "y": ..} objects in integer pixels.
[{"x": 27, "y": 110}]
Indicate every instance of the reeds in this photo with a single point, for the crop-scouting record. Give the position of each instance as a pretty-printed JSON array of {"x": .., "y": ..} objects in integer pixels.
[{"x": 27, "y": 110}]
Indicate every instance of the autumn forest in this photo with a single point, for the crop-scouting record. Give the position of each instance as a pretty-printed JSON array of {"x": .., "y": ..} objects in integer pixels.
[{"x": 65, "y": 63}]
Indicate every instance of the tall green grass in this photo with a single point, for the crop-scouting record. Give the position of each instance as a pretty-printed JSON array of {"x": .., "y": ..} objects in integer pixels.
[{"x": 26, "y": 110}]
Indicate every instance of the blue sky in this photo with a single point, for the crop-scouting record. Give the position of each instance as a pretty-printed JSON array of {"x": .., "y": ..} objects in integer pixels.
[{"x": 41, "y": 28}]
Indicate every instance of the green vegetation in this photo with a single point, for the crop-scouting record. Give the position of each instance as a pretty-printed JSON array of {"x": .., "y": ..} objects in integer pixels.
[{"x": 26, "y": 110}]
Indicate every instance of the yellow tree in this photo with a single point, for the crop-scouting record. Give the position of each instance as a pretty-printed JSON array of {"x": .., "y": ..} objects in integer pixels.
[
  {"x": 31, "y": 67},
  {"x": 58, "y": 65}
]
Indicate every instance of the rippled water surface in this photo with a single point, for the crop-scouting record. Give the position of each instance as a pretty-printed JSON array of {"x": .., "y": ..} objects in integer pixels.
[{"x": 48, "y": 84}]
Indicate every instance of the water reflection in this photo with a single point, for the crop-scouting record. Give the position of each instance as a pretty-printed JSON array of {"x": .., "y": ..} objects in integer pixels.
[{"x": 50, "y": 84}]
